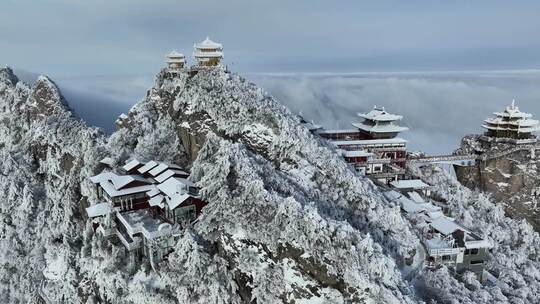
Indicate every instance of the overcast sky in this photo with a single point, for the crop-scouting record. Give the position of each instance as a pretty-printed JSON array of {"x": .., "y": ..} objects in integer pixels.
[
  {"x": 79, "y": 37},
  {"x": 104, "y": 55}
]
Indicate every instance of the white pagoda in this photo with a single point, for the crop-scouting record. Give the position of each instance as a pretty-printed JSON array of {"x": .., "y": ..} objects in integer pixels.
[
  {"x": 380, "y": 124},
  {"x": 208, "y": 53},
  {"x": 175, "y": 61},
  {"x": 512, "y": 124}
]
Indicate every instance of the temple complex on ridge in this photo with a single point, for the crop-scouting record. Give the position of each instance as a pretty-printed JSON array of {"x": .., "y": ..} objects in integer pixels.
[
  {"x": 145, "y": 206},
  {"x": 208, "y": 53},
  {"x": 375, "y": 150},
  {"x": 512, "y": 126},
  {"x": 373, "y": 147}
]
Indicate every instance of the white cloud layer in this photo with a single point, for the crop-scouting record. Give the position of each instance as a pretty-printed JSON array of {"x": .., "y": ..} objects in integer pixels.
[{"x": 439, "y": 108}]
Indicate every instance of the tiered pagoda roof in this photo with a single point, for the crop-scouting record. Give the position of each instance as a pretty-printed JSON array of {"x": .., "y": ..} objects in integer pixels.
[
  {"x": 379, "y": 114},
  {"x": 380, "y": 121},
  {"x": 511, "y": 122},
  {"x": 176, "y": 57},
  {"x": 208, "y": 49}
]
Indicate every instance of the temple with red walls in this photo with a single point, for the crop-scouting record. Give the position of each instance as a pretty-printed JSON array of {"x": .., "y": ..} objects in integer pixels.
[
  {"x": 372, "y": 146},
  {"x": 145, "y": 205}
]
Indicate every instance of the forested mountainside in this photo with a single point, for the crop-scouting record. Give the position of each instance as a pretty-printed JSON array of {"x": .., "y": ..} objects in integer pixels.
[
  {"x": 287, "y": 219},
  {"x": 509, "y": 173}
]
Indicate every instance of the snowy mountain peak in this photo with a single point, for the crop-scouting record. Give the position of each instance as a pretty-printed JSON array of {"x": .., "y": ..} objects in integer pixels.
[
  {"x": 46, "y": 99},
  {"x": 31, "y": 103},
  {"x": 7, "y": 77}
]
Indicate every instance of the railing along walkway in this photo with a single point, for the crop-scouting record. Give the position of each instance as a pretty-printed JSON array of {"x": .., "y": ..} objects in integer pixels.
[{"x": 442, "y": 158}]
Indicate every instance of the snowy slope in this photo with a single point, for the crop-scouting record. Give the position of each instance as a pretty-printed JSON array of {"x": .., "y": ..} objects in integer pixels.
[
  {"x": 268, "y": 183},
  {"x": 45, "y": 152},
  {"x": 515, "y": 257},
  {"x": 287, "y": 220}
]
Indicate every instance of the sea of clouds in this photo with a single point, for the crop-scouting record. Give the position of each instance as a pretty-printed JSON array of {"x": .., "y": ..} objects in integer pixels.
[{"x": 438, "y": 107}]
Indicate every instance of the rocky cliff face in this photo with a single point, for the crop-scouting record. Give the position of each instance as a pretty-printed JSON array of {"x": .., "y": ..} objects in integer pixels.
[
  {"x": 509, "y": 174},
  {"x": 45, "y": 153},
  {"x": 287, "y": 220}
]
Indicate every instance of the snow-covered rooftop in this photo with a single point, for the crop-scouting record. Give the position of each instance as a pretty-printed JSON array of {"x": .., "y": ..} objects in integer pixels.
[
  {"x": 446, "y": 226},
  {"x": 380, "y": 114},
  {"x": 172, "y": 187},
  {"x": 416, "y": 197},
  {"x": 435, "y": 214},
  {"x": 177, "y": 200},
  {"x": 114, "y": 184},
  {"x": 170, "y": 184},
  {"x": 141, "y": 221},
  {"x": 409, "y": 184},
  {"x": 519, "y": 126},
  {"x": 158, "y": 169},
  {"x": 100, "y": 209},
  {"x": 527, "y": 122},
  {"x": 380, "y": 128},
  {"x": 107, "y": 161},
  {"x": 513, "y": 120},
  {"x": 176, "y": 190},
  {"x": 156, "y": 200},
  {"x": 112, "y": 192},
  {"x": 132, "y": 164},
  {"x": 164, "y": 176},
  {"x": 413, "y": 207},
  {"x": 147, "y": 167},
  {"x": 155, "y": 191},
  {"x": 175, "y": 54},
  {"x": 512, "y": 111},
  {"x": 409, "y": 206},
  {"x": 104, "y": 176},
  {"x": 478, "y": 244},
  {"x": 392, "y": 195},
  {"x": 120, "y": 181},
  {"x": 208, "y": 44}
]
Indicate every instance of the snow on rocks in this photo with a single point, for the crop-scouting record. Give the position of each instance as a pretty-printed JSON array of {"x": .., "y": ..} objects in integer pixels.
[
  {"x": 266, "y": 175},
  {"x": 44, "y": 153},
  {"x": 287, "y": 219}
]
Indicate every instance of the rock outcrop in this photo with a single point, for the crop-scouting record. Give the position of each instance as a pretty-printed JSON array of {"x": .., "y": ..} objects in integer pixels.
[
  {"x": 509, "y": 173},
  {"x": 45, "y": 152}
]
